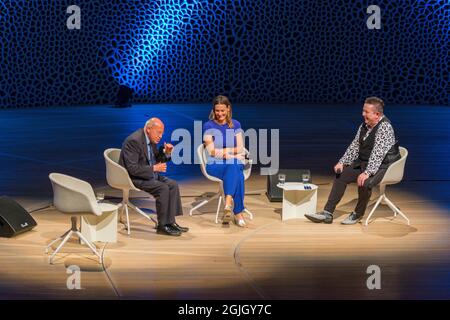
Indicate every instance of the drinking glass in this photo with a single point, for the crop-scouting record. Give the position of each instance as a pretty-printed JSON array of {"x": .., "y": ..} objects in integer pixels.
[
  {"x": 282, "y": 178},
  {"x": 305, "y": 178},
  {"x": 100, "y": 196}
]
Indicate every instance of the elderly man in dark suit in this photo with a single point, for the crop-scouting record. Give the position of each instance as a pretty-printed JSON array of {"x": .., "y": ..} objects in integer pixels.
[{"x": 145, "y": 163}]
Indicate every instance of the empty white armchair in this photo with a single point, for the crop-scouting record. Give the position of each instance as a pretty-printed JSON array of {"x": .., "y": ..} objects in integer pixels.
[
  {"x": 201, "y": 153},
  {"x": 118, "y": 178},
  {"x": 76, "y": 198},
  {"x": 393, "y": 175}
]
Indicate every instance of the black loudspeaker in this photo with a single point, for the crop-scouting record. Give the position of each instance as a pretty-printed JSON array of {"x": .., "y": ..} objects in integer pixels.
[
  {"x": 14, "y": 219},
  {"x": 274, "y": 193}
]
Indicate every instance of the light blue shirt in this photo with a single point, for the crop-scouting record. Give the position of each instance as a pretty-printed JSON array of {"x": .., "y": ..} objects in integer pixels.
[{"x": 151, "y": 158}]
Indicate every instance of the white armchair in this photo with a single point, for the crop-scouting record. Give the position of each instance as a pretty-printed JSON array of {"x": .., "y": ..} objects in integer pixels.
[
  {"x": 201, "y": 152},
  {"x": 76, "y": 198},
  {"x": 118, "y": 178},
  {"x": 393, "y": 175}
]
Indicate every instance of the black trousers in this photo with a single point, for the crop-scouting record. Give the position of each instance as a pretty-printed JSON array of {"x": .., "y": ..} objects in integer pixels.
[
  {"x": 350, "y": 174},
  {"x": 167, "y": 195}
]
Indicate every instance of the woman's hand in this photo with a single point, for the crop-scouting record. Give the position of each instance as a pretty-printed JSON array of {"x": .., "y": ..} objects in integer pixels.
[
  {"x": 227, "y": 153},
  {"x": 218, "y": 153},
  {"x": 240, "y": 156},
  {"x": 234, "y": 156},
  {"x": 222, "y": 153},
  {"x": 229, "y": 150}
]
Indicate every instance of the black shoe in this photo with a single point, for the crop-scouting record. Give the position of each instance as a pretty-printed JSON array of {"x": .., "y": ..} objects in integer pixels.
[
  {"x": 318, "y": 217},
  {"x": 180, "y": 228},
  {"x": 168, "y": 230}
]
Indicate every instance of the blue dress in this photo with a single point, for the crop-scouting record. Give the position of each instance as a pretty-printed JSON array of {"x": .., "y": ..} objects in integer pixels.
[{"x": 230, "y": 171}]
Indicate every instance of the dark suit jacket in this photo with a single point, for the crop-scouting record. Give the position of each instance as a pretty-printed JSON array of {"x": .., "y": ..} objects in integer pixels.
[{"x": 134, "y": 156}]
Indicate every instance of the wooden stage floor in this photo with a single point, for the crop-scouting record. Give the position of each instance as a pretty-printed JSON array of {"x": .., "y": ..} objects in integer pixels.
[{"x": 270, "y": 259}]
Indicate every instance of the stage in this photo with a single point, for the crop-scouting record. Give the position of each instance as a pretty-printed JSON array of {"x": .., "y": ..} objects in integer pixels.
[
  {"x": 77, "y": 79},
  {"x": 270, "y": 259}
]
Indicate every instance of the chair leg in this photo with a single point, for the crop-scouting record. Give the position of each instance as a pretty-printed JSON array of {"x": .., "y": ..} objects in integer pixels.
[
  {"x": 128, "y": 219},
  {"x": 69, "y": 234},
  {"x": 89, "y": 244},
  {"x": 81, "y": 237},
  {"x": 124, "y": 208},
  {"x": 142, "y": 213},
  {"x": 395, "y": 209},
  {"x": 126, "y": 203},
  {"x": 54, "y": 241},
  {"x": 201, "y": 204},
  {"x": 218, "y": 209},
  {"x": 373, "y": 209},
  {"x": 391, "y": 206},
  {"x": 382, "y": 189}
]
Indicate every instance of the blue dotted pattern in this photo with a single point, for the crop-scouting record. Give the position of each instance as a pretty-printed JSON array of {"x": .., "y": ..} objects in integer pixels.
[{"x": 253, "y": 51}]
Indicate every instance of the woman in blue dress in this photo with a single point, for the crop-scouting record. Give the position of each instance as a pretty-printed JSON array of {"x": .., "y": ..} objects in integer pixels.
[{"x": 224, "y": 142}]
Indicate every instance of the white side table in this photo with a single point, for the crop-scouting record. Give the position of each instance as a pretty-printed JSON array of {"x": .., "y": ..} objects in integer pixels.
[
  {"x": 101, "y": 228},
  {"x": 298, "y": 199}
]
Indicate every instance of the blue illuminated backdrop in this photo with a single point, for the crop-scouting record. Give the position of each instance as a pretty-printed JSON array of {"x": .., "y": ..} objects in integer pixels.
[{"x": 253, "y": 51}]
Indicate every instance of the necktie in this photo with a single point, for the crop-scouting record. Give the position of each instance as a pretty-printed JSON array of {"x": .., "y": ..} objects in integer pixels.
[{"x": 151, "y": 159}]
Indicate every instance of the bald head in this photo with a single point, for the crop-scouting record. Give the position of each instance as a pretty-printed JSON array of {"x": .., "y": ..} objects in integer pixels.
[
  {"x": 154, "y": 122},
  {"x": 154, "y": 129}
]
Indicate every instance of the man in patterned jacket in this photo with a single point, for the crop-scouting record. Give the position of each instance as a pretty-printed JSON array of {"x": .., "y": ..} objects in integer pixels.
[{"x": 365, "y": 161}]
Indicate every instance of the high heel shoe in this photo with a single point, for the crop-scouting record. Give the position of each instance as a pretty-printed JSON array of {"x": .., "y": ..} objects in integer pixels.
[
  {"x": 240, "y": 222},
  {"x": 227, "y": 215}
]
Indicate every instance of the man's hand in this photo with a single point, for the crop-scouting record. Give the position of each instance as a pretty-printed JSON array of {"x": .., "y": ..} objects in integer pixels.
[
  {"x": 160, "y": 167},
  {"x": 338, "y": 168},
  {"x": 168, "y": 147},
  {"x": 362, "y": 178}
]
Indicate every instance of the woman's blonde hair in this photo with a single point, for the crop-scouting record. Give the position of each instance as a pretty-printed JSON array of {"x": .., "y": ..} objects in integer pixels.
[{"x": 222, "y": 100}]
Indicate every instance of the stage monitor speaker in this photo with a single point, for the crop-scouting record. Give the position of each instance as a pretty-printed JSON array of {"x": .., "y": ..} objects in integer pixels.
[
  {"x": 14, "y": 219},
  {"x": 274, "y": 193}
]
